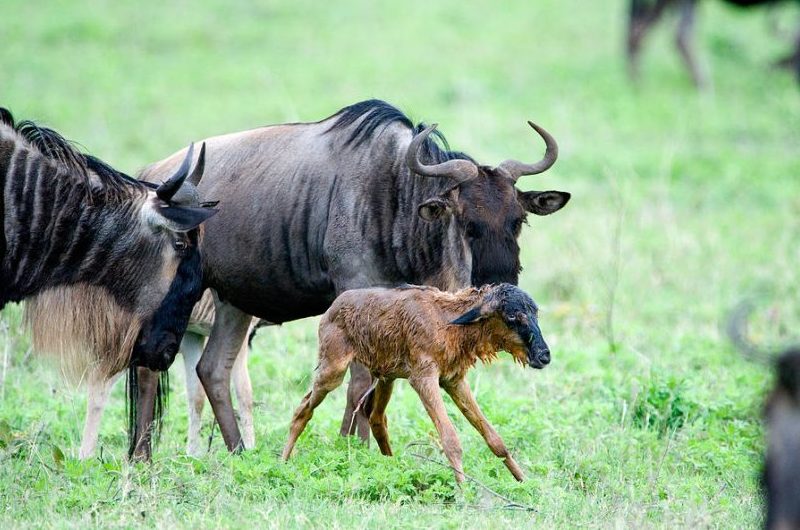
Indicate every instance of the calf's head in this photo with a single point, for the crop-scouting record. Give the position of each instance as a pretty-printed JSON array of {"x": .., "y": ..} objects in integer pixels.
[
  {"x": 488, "y": 208},
  {"x": 518, "y": 315}
]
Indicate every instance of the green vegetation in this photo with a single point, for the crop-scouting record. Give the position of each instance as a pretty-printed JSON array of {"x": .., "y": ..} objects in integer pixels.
[{"x": 683, "y": 203}]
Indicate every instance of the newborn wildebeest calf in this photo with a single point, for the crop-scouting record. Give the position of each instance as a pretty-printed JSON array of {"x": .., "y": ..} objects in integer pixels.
[{"x": 431, "y": 338}]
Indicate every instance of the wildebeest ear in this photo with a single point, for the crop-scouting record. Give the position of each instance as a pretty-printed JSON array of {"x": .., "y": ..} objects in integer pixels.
[
  {"x": 473, "y": 315},
  {"x": 543, "y": 202},
  {"x": 184, "y": 218},
  {"x": 433, "y": 209}
]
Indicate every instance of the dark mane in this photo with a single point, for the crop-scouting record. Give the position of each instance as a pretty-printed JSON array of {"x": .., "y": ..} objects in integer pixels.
[
  {"x": 377, "y": 115},
  {"x": 57, "y": 148}
]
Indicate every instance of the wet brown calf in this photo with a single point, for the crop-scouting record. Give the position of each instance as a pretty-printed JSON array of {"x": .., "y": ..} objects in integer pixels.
[{"x": 432, "y": 338}]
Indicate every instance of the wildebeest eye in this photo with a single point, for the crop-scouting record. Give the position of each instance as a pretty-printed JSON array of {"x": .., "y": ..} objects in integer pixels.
[{"x": 180, "y": 245}]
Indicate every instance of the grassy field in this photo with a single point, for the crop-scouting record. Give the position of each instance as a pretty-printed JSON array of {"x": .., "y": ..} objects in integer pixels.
[{"x": 683, "y": 203}]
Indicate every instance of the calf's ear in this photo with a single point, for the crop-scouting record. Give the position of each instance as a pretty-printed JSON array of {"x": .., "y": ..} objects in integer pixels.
[
  {"x": 471, "y": 316},
  {"x": 543, "y": 202},
  {"x": 183, "y": 218}
]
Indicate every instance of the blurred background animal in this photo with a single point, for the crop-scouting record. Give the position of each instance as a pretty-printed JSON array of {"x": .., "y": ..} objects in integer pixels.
[
  {"x": 645, "y": 14},
  {"x": 780, "y": 477}
]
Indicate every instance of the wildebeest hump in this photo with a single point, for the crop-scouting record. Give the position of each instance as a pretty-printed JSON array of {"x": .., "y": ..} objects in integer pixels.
[{"x": 275, "y": 213}]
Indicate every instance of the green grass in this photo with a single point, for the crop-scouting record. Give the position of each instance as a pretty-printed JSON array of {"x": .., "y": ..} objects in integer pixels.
[{"x": 683, "y": 203}]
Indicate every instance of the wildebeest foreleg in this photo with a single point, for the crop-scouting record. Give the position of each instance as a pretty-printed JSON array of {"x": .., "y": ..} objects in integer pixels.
[
  {"x": 463, "y": 398},
  {"x": 214, "y": 369},
  {"x": 360, "y": 383},
  {"x": 97, "y": 389},
  {"x": 428, "y": 390},
  {"x": 377, "y": 418},
  {"x": 145, "y": 407}
]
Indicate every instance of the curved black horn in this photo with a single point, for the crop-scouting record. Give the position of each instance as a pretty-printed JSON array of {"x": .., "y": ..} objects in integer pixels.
[
  {"x": 516, "y": 169},
  {"x": 737, "y": 332},
  {"x": 458, "y": 170},
  {"x": 197, "y": 172},
  {"x": 166, "y": 190}
]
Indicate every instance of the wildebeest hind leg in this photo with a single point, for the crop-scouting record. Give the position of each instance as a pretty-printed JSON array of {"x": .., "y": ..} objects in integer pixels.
[
  {"x": 192, "y": 349},
  {"x": 377, "y": 418},
  {"x": 214, "y": 369},
  {"x": 685, "y": 44},
  {"x": 360, "y": 383},
  {"x": 244, "y": 394}
]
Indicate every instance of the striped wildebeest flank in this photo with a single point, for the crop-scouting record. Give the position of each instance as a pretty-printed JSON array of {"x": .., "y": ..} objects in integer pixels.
[
  {"x": 200, "y": 322},
  {"x": 780, "y": 477},
  {"x": 644, "y": 14},
  {"x": 363, "y": 198},
  {"x": 109, "y": 265}
]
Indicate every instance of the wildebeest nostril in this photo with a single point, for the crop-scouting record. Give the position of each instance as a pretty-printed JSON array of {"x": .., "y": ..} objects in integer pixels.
[{"x": 544, "y": 356}]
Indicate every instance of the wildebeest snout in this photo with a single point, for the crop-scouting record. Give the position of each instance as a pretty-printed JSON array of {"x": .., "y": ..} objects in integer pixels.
[{"x": 538, "y": 352}]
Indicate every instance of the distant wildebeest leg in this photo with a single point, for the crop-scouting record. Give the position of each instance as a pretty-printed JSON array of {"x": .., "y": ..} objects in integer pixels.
[
  {"x": 360, "y": 382},
  {"x": 642, "y": 17},
  {"x": 334, "y": 357},
  {"x": 145, "y": 407},
  {"x": 244, "y": 394},
  {"x": 428, "y": 390},
  {"x": 192, "y": 349},
  {"x": 228, "y": 334},
  {"x": 463, "y": 398},
  {"x": 685, "y": 45},
  {"x": 377, "y": 418},
  {"x": 97, "y": 390}
]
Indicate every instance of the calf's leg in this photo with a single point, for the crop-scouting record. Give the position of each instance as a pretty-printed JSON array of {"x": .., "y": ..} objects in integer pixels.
[
  {"x": 377, "y": 418},
  {"x": 192, "y": 350},
  {"x": 334, "y": 357},
  {"x": 97, "y": 389},
  {"x": 428, "y": 390},
  {"x": 214, "y": 369},
  {"x": 463, "y": 398}
]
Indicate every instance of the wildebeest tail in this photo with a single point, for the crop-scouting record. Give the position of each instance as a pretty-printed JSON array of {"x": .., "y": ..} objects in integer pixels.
[{"x": 736, "y": 329}]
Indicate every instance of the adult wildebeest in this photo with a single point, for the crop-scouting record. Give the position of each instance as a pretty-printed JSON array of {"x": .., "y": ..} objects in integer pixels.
[
  {"x": 110, "y": 265},
  {"x": 99, "y": 386},
  {"x": 780, "y": 477},
  {"x": 643, "y": 15},
  {"x": 360, "y": 199}
]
